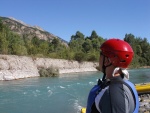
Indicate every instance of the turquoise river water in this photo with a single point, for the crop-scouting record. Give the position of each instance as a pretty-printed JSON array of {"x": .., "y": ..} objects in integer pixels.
[{"x": 65, "y": 94}]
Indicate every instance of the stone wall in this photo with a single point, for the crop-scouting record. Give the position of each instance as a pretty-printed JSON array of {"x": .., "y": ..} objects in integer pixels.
[{"x": 17, "y": 67}]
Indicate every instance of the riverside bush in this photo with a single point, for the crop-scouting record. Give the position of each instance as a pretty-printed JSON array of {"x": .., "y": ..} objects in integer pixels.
[
  {"x": 49, "y": 72},
  {"x": 92, "y": 57},
  {"x": 79, "y": 56}
]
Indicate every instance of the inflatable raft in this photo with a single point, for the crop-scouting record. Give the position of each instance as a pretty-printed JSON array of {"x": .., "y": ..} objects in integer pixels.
[{"x": 141, "y": 89}]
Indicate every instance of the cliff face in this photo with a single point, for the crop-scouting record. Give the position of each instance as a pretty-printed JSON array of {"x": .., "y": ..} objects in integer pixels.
[{"x": 17, "y": 67}]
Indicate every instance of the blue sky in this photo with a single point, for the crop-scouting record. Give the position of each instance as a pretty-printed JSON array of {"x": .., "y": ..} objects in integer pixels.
[{"x": 63, "y": 18}]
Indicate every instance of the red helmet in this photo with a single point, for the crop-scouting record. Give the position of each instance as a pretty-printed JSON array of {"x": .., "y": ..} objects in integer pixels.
[{"x": 118, "y": 51}]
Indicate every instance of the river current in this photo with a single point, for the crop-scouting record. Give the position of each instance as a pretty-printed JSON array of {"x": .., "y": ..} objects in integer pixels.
[{"x": 65, "y": 94}]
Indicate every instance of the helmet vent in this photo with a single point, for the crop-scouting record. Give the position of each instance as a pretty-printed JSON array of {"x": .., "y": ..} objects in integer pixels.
[
  {"x": 122, "y": 60},
  {"x": 127, "y": 56}
]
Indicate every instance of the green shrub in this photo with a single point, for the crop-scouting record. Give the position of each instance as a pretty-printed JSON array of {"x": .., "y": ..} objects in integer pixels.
[
  {"x": 43, "y": 73},
  {"x": 79, "y": 56},
  {"x": 92, "y": 57},
  {"x": 49, "y": 72}
]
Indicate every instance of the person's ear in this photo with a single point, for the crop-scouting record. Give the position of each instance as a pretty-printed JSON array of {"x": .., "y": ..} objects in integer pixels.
[{"x": 107, "y": 62}]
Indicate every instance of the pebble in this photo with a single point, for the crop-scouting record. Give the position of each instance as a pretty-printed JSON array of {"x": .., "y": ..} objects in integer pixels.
[{"x": 144, "y": 103}]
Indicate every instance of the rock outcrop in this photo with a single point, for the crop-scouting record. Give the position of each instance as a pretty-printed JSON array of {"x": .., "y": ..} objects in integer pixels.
[{"x": 17, "y": 67}]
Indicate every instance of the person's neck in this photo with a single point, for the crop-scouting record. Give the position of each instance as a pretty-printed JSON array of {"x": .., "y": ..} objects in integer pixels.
[{"x": 109, "y": 72}]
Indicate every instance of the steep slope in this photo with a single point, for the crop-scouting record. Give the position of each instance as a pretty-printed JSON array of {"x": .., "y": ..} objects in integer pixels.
[{"x": 28, "y": 31}]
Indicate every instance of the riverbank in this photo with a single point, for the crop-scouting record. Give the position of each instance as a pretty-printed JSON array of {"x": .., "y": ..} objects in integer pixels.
[
  {"x": 14, "y": 67},
  {"x": 144, "y": 103}
]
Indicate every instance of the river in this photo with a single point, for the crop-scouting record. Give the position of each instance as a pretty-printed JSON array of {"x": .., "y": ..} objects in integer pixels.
[{"x": 64, "y": 94}]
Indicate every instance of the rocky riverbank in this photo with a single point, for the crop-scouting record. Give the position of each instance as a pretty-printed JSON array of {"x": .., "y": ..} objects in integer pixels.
[
  {"x": 144, "y": 103},
  {"x": 17, "y": 67}
]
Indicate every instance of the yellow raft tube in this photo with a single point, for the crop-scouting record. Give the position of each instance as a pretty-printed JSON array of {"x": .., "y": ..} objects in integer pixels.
[{"x": 141, "y": 89}]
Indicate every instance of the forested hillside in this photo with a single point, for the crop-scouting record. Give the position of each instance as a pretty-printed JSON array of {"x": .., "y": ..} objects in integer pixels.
[{"x": 80, "y": 47}]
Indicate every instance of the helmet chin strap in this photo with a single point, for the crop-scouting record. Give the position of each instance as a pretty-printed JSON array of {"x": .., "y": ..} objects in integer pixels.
[{"x": 104, "y": 69}]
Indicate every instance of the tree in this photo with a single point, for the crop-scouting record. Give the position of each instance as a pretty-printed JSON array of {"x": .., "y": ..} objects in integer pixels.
[
  {"x": 3, "y": 39},
  {"x": 3, "y": 44},
  {"x": 96, "y": 43},
  {"x": 17, "y": 45},
  {"x": 76, "y": 42},
  {"x": 79, "y": 56},
  {"x": 87, "y": 45},
  {"x": 139, "y": 50},
  {"x": 35, "y": 41},
  {"x": 43, "y": 47},
  {"x": 77, "y": 36},
  {"x": 94, "y": 35},
  {"x": 56, "y": 44}
]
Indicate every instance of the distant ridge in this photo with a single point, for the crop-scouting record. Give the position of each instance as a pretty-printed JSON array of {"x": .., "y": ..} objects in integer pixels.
[
  {"x": 22, "y": 29},
  {"x": 37, "y": 27}
]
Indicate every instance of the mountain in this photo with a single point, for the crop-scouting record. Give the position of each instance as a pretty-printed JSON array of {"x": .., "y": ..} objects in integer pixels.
[{"x": 29, "y": 31}]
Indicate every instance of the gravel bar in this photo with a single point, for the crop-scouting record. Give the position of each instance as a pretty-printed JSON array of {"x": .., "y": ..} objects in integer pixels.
[{"x": 144, "y": 100}]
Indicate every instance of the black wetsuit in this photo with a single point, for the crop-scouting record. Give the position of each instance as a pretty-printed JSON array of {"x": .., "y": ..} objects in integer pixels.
[{"x": 116, "y": 97}]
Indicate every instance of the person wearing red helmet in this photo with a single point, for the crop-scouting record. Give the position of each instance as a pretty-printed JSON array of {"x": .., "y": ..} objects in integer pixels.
[{"x": 114, "y": 93}]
